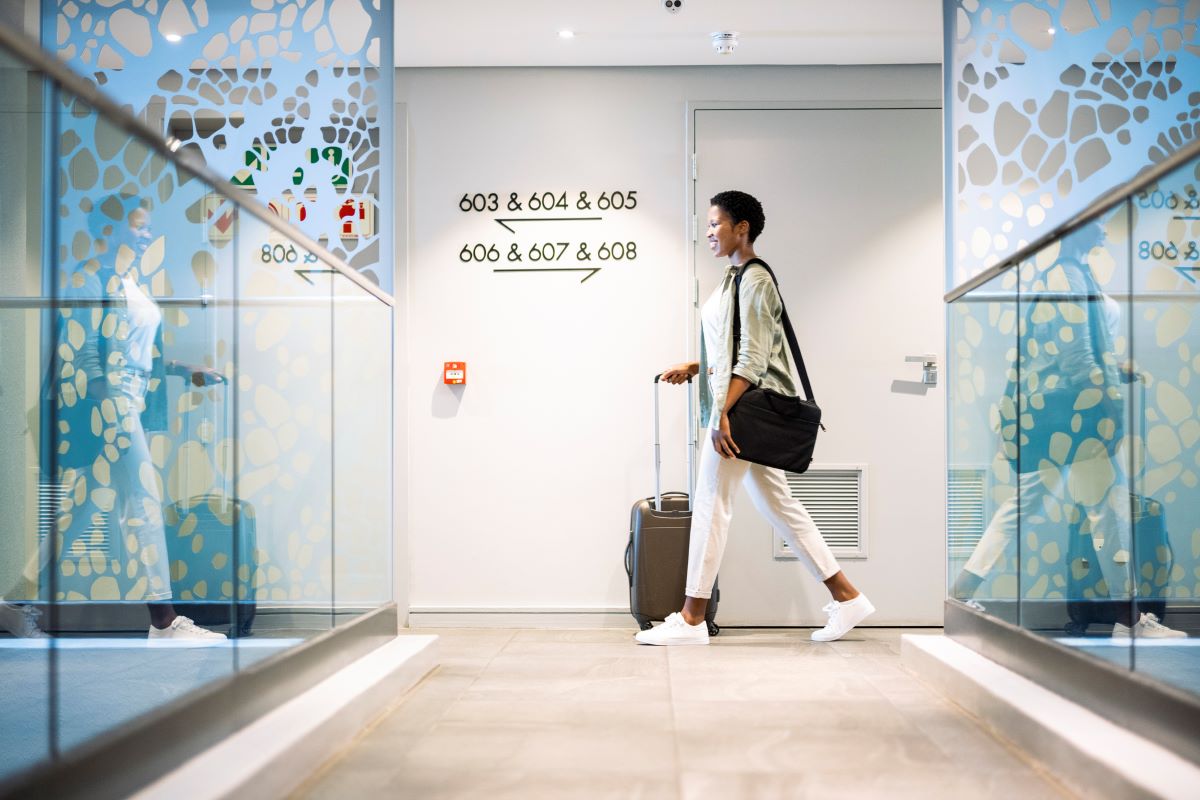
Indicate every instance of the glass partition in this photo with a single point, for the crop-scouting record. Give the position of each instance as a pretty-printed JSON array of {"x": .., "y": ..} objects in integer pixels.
[
  {"x": 196, "y": 421},
  {"x": 983, "y": 547},
  {"x": 285, "y": 429},
  {"x": 1074, "y": 440},
  {"x": 362, "y": 432},
  {"x": 25, "y": 734},
  {"x": 1164, "y": 335},
  {"x": 1072, "y": 434},
  {"x": 133, "y": 421}
]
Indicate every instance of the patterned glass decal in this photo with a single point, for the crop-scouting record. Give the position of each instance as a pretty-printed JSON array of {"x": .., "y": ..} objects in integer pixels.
[
  {"x": 283, "y": 97},
  {"x": 148, "y": 479},
  {"x": 1051, "y": 102}
]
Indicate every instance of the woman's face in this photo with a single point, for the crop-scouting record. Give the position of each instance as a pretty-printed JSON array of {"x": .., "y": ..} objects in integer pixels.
[
  {"x": 723, "y": 235},
  {"x": 139, "y": 229}
]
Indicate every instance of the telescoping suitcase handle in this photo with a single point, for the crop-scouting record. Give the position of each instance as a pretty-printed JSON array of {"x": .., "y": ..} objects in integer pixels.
[
  {"x": 691, "y": 440},
  {"x": 217, "y": 379}
]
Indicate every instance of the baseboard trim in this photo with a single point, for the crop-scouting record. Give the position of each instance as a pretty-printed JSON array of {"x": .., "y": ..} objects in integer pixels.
[
  {"x": 292, "y": 742},
  {"x": 516, "y": 617},
  {"x": 585, "y": 617},
  {"x": 1091, "y": 755}
]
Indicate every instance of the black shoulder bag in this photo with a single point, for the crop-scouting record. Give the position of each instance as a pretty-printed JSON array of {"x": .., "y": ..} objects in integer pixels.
[{"x": 770, "y": 428}]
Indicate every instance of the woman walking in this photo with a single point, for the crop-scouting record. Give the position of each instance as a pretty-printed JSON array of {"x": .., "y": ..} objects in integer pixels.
[{"x": 735, "y": 219}]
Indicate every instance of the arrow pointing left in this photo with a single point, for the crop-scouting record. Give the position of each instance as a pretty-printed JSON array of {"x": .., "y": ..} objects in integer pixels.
[
  {"x": 1185, "y": 270},
  {"x": 503, "y": 221}
]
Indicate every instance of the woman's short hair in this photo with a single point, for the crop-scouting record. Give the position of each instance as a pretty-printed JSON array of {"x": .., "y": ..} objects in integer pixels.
[{"x": 741, "y": 207}]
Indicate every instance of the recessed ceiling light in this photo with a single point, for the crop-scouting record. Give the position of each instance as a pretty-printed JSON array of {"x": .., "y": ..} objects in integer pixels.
[
  {"x": 1051, "y": 31},
  {"x": 565, "y": 34},
  {"x": 173, "y": 37}
]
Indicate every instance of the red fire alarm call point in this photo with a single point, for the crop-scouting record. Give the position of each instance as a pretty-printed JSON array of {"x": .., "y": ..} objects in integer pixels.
[{"x": 454, "y": 373}]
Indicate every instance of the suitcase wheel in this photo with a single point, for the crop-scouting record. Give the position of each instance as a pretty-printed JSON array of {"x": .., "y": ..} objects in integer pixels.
[
  {"x": 647, "y": 625},
  {"x": 713, "y": 629}
]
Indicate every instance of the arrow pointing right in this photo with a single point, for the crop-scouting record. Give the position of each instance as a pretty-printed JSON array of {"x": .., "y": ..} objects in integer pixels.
[{"x": 589, "y": 270}]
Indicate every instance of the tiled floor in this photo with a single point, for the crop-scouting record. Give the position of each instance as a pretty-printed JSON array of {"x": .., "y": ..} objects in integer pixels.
[{"x": 757, "y": 714}]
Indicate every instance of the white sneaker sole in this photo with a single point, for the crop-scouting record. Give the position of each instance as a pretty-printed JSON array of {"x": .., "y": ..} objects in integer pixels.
[
  {"x": 821, "y": 636},
  {"x": 184, "y": 643},
  {"x": 667, "y": 642}
]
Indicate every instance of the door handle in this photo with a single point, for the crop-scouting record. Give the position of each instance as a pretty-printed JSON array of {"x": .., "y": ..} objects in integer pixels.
[{"x": 928, "y": 362}]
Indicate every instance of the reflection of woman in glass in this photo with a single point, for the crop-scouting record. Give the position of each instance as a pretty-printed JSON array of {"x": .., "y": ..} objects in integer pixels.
[
  {"x": 107, "y": 361},
  {"x": 1062, "y": 420}
]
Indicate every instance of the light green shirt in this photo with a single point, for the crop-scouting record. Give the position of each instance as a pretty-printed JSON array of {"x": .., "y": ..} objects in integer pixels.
[{"x": 763, "y": 352}]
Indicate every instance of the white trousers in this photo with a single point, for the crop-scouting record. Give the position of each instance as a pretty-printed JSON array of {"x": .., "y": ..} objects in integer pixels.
[
  {"x": 1106, "y": 521},
  {"x": 712, "y": 510}
]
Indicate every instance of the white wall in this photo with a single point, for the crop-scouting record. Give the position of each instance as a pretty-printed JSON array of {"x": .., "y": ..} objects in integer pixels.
[{"x": 521, "y": 481}]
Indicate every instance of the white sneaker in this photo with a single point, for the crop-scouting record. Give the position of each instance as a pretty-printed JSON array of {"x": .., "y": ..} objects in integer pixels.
[
  {"x": 1148, "y": 627},
  {"x": 183, "y": 629},
  {"x": 675, "y": 630},
  {"x": 21, "y": 621},
  {"x": 843, "y": 617}
]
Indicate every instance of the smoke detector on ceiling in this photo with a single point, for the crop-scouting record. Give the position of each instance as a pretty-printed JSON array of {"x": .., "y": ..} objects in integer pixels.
[{"x": 724, "y": 43}]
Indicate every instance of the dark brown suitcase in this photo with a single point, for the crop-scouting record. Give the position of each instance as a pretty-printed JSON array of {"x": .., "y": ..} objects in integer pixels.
[{"x": 659, "y": 529}]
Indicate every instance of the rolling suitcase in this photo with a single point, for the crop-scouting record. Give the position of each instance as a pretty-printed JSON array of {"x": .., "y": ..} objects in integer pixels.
[
  {"x": 1152, "y": 561},
  {"x": 211, "y": 540},
  {"x": 659, "y": 529}
]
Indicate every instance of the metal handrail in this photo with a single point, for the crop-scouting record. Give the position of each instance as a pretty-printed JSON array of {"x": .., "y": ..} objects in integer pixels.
[
  {"x": 1103, "y": 203},
  {"x": 42, "y": 303},
  {"x": 33, "y": 55}
]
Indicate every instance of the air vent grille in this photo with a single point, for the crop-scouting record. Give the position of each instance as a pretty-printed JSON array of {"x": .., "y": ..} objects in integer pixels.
[
  {"x": 95, "y": 539},
  {"x": 965, "y": 511},
  {"x": 835, "y": 497}
]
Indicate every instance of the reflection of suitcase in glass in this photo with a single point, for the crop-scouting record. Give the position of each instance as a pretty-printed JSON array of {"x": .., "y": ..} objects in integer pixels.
[
  {"x": 210, "y": 542},
  {"x": 1150, "y": 564}
]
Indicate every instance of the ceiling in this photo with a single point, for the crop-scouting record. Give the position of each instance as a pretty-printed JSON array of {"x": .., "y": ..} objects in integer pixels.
[{"x": 478, "y": 33}]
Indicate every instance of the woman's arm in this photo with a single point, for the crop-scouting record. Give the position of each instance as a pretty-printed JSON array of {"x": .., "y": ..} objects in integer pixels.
[
  {"x": 721, "y": 438},
  {"x": 761, "y": 310}
]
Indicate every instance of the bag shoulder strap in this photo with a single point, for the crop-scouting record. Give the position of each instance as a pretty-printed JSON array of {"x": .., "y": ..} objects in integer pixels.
[{"x": 787, "y": 324}]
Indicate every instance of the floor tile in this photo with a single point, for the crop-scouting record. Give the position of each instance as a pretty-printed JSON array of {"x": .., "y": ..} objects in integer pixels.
[
  {"x": 758, "y": 714},
  {"x": 650, "y": 715},
  {"x": 513, "y": 747},
  {"x": 562, "y": 783}
]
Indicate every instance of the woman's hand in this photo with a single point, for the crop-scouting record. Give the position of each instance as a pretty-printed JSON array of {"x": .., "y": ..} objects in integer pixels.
[
  {"x": 681, "y": 372},
  {"x": 722, "y": 440},
  {"x": 205, "y": 376},
  {"x": 197, "y": 376}
]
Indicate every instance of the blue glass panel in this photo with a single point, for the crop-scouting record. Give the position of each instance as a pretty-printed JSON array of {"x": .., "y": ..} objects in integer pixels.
[
  {"x": 1072, "y": 438},
  {"x": 1165, "y": 251},
  {"x": 135, "y": 437},
  {"x": 982, "y": 546}
]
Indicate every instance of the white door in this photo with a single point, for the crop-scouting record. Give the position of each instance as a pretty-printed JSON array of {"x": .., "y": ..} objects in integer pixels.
[{"x": 854, "y": 232}]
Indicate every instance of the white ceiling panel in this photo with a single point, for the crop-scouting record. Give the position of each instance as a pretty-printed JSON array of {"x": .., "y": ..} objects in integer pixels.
[{"x": 478, "y": 33}]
